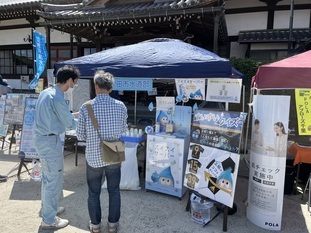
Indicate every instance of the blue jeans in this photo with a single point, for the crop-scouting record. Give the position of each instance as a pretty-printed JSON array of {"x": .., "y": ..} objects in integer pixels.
[
  {"x": 95, "y": 180},
  {"x": 51, "y": 156}
]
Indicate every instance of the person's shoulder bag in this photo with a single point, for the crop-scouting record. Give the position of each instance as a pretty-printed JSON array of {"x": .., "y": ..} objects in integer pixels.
[{"x": 112, "y": 151}]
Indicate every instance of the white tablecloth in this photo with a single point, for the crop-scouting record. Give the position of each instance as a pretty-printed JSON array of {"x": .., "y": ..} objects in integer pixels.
[{"x": 129, "y": 169}]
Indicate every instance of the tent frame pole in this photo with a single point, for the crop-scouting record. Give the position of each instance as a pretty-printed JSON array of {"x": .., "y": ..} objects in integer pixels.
[
  {"x": 248, "y": 118},
  {"x": 135, "y": 108}
]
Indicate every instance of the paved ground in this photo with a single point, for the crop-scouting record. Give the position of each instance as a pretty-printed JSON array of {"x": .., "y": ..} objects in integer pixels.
[{"x": 142, "y": 212}]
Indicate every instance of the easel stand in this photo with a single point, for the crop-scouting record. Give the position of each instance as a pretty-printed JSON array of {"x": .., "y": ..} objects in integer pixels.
[
  {"x": 3, "y": 141},
  {"x": 222, "y": 208},
  {"x": 13, "y": 135},
  {"x": 23, "y": 164}
]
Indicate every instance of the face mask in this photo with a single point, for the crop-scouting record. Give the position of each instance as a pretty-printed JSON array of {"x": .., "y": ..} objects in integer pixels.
[{"x": 70, "y": 90}]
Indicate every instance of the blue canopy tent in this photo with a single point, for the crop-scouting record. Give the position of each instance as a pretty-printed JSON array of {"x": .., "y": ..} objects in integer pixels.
[
  {"x": 156, "y": 58},
  {"x": 159, "y": 58}
]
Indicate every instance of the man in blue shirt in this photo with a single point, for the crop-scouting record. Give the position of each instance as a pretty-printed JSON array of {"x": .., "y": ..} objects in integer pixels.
[
  {"x": 111, "y": 115},
  {"x": 52, "y": 118}
]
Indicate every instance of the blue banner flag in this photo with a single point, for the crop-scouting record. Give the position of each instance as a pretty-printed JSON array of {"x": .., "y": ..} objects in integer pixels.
[{"x": 41, "y": 57}]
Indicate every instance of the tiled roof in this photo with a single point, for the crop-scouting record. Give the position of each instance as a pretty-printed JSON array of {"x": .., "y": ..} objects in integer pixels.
[
  {"x": 94, "y": 19},
  {"x": 276, "y": 35},
  {"x": 14, "y": 2},
  {"x": 12, "y": 9},
  {"x": 119, "y": 10},
  {"x": 103, "y": 19},
  {"x": 11, "y": 3}
]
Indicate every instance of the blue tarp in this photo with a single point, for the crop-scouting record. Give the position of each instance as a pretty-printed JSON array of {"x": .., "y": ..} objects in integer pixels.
[{"x": 156, "y": 58}]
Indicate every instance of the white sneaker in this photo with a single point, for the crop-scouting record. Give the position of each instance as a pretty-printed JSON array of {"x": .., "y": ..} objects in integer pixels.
[
  {"x": 60, "y": 210},
  {"x": 57, "y": 224}
]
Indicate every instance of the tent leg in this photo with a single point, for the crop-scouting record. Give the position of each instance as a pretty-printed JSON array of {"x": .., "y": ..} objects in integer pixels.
[
  {"x": 135, "y": 108},
  {"x": 248, "y": 120}
]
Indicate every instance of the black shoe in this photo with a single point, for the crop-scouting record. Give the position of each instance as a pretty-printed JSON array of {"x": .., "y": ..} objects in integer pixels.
[{"x": 3, "y": 178}]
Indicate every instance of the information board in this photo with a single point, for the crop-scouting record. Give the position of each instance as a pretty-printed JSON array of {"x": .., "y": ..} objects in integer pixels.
[
  {"x": 27, "y": 149},
  {"x": 218, "y": 129},
  {"x": 14, "y": 108},
  {"x": 3, "y": 127},
  {"x": 213, "y": 162}
]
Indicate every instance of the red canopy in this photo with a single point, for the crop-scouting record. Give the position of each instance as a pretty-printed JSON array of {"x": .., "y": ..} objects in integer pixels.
[{"x": 292, "y": 72}]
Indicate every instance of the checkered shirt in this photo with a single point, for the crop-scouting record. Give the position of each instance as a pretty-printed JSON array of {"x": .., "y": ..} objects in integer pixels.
[{"x": 111, "y": 115}]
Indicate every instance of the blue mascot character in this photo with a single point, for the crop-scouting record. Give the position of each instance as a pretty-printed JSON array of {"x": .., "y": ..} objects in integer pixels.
[
  {"x": 225, "y": 181},
  {"x": 166, "y": 178},
  {"x": 197, "y": 95},
  {"x": 163, "y": 119}
]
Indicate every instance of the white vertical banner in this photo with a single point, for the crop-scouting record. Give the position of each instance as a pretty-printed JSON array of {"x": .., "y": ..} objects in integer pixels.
[{"x": 268, "y": 160}]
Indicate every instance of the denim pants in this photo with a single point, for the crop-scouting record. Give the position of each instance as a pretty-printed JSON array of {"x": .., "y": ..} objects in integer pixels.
[
  {"x": 95, "y": 178},
  {"x": 51, "y": 156}
]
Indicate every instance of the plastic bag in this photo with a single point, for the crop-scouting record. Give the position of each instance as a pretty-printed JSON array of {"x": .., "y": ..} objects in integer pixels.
[
  {"x": 200, "y": 209},
  {"x": 18, "y": 138},
  {"x": 36, "y": 172}
]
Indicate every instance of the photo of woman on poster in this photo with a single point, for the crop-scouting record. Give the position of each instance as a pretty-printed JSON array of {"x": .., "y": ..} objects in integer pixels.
[{"x": 280, "y": 141}]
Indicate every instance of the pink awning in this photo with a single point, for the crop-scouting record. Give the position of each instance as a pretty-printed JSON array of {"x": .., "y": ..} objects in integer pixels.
[{"x": 292, "y": 72}]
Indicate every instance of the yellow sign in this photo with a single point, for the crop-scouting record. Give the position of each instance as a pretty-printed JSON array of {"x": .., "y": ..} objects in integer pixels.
[
  {"x": 303, "y": 108},
  {"x": 39, "y": 88}
]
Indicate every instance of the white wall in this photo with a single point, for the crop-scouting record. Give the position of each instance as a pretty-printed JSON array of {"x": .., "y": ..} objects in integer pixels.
[
  {"x": 16, "y": 36},
  {"x": 248, "y": 21},
  {"x": 287, "y": 2},
  {"x": 301, "y": 19},
  {"x": 268, "y": 46},
  {"x": 258, "y": 21},
  {"x": 13, "y": 22},
  {"x": 231, "y": 4},
  {"x": 18, "y": 84}
]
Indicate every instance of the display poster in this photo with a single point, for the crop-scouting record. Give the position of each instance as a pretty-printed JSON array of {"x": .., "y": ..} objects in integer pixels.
[
  {"x": 268, "y": 160},
  {"x": 212, "y": 173},
  {"x": 190, "y": 89},
  {"x": 14, "y": 108},
  {"x": 166, "y": 103},
  {"x": 165, "y": 163},
  {"x": 303, "y": 109},
  {"x": 27, "y": 149},
  {"x": 3, "y": 127},
  {"x": 224, "y": 90},
  {"x": 219, "y": 129},
  {"x": 79, "y": 95},
  {"x": 180, "y": 118}
]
